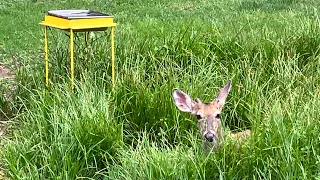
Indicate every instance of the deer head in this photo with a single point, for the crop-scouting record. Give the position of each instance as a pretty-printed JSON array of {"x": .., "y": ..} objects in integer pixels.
[{"x": 208, "y": 114}]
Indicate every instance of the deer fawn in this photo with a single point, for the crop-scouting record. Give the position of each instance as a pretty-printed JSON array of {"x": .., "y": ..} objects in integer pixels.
[{"x": 208, "y": 115}]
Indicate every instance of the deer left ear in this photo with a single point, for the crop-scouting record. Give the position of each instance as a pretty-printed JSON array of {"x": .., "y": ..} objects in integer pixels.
[
  {"x": 182, "y": 100},
  {"x": 223, "y": 94}
]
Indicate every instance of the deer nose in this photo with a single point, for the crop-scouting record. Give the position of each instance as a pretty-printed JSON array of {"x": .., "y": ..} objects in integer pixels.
[{"x": 209, "y": 137}]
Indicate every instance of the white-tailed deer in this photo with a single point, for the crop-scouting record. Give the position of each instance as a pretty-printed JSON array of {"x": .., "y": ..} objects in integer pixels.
[{"x": 208, "y": 115}]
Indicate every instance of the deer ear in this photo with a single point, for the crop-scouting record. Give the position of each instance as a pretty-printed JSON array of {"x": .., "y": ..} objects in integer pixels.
[
  {"x": 223, "y": 94},
  {"x": 182, "y": 100}
]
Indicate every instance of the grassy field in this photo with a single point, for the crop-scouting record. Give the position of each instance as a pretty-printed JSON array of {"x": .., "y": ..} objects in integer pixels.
[{"x": 268, "y": 48}]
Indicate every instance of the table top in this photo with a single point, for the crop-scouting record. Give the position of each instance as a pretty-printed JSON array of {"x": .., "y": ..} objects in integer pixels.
[{"x": 77, "y": 14}]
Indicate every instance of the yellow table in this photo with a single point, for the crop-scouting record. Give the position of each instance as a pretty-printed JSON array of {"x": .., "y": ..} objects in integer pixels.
[{"x": 77, "y": 21}]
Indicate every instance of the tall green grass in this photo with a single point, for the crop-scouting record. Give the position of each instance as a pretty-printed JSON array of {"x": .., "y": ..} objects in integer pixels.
[
  {"x": 63, "y": 144},
  {"x": 136, "y": 132}
]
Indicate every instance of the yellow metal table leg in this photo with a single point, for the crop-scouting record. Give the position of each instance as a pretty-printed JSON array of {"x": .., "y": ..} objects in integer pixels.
[
  {"x": 86, "y": 50},
  {"x": 112, "y": 56},
  {"x": 71, "y": 58},
  {"x": 46, "y": 54},
  {"x": 86, "y": 36}
]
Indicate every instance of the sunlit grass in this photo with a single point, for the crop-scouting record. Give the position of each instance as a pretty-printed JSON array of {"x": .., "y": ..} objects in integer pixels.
[{"x": 269, "y": 49}]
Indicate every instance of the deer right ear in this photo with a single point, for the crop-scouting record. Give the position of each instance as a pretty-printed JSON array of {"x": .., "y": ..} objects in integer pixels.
[{"x": 182, "y": 100}]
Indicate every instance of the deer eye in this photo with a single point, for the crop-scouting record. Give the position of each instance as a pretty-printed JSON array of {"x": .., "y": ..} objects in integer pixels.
[{"x": 218, "y": 116}]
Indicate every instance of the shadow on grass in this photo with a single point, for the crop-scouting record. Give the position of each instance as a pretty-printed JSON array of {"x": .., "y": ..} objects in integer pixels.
[{"x": 267, "y": 5}]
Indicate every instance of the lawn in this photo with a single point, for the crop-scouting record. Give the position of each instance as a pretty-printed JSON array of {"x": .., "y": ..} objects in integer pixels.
[{"x": 268, "y": 48}]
